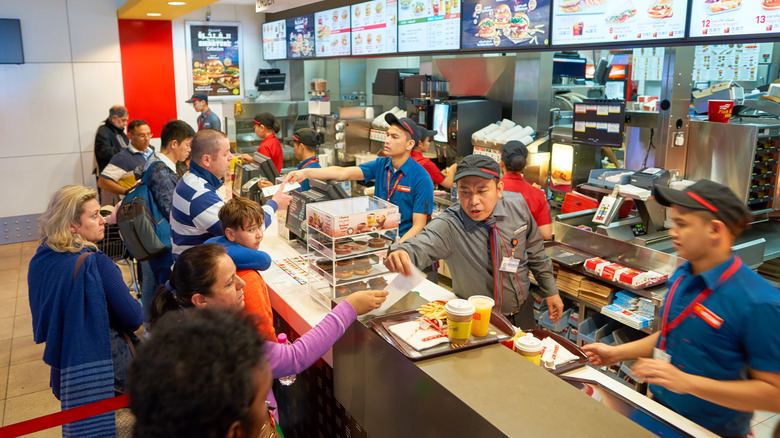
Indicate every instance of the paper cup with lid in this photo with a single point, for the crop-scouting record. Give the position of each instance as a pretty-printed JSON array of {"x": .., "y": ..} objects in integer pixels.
[
  {"x": 530, "y": 348},
  {"x": 459, "y": 316}
]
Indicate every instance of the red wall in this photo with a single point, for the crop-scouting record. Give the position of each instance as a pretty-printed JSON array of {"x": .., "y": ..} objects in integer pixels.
[{"x": 146, "y": 48}]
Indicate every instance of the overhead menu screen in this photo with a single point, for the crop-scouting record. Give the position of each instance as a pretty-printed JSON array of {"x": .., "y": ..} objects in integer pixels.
[
  {"x": 333, "y": 32},
  {"x": 300, "y": 37},
  {"x": 429, "y": 25},
  {"x": 274, "y": 40},
  {"x": 375, "y": 27},
  {"x": 617, "y": 21},
  {"x": 505, "y": 23},
  {"x": 721, "y": 18}
]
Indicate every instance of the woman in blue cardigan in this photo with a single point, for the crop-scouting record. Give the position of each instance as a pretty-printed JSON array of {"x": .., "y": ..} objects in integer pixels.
[{"x": 81, "y": 307}]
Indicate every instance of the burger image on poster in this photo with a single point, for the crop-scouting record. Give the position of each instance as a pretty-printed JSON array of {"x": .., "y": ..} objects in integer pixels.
[{"x": 569, "y": 6}]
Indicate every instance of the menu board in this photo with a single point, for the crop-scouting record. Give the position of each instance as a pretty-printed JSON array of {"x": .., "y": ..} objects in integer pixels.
[
  {"x": 647, "y": 63},
  {"x": 213, "y": 51},
  {"x": 333, "y": 32},
  {"x": 274, "y": 41},
  {"x": 505, "y": 23},
  {"x": 374, "y": 27},
  {"x": 711, "y": 18},
  {"x": 726, "y": 62},
  {"x": 617, "y": 21},
  {"x": 300, "y": 37},
  {"x": 429, "y": 25}
]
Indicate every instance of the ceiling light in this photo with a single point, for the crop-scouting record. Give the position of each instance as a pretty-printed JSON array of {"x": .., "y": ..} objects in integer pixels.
[
  {"x": 177, "y": 3},
  {"x": 153, "y": 14}
]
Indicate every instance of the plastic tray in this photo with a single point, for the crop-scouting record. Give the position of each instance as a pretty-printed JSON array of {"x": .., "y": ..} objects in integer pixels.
[
  {"x": 593, "y": 329},
  {"x": 568, "y": 345},
  {"x": 500, "y": 329},
  {"x": 566, "y": 255}
]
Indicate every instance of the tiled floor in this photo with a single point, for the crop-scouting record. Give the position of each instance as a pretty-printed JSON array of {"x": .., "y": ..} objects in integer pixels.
[{"x": 24, "y": 378}]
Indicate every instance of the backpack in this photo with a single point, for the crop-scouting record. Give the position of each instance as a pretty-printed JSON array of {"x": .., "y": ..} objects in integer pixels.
[{"x": 144, "y": 230}]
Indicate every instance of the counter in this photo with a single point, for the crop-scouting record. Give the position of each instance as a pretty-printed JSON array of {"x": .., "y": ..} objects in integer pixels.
[{"x": 488, "y": 391}]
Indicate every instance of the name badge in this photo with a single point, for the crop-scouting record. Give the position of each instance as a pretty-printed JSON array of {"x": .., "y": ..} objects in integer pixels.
[
  {"x": 510, "y": 264},
  {"x": 521, "y": 229},
  {"x": 404, "y": 189},
  {"x": 708, "y": 316},
  {"x": 662, "y": 355}
]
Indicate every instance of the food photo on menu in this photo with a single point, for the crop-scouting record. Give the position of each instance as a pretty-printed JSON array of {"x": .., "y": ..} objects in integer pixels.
[
  {"x": 333, "y": 28},
  {"x": 504, "y": 23},
  {"x": 734, "y": 17},
  {"x": 374, "y": 27},
  {"x": 300, "y": 43}
]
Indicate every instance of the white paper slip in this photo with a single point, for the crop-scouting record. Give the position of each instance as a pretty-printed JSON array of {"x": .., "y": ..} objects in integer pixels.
[
  {"x": 418, "y": 336},
  {"x": 399, "y": 287},
  {"x": 270, "y": 191}
]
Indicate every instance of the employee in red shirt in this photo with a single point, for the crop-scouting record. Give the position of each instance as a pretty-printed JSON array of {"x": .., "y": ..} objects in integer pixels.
[
  {"x": 266, "y": 126},
  {"x": 417, "y": 155},
  {"x": 513, "y": 159}
]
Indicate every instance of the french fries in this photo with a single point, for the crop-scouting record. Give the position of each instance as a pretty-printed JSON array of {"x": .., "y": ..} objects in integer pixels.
[{"x": 433, "y": 310}]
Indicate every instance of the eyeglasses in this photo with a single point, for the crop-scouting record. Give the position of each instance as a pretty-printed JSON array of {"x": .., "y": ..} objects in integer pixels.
[{"x": 149, "y": 135}]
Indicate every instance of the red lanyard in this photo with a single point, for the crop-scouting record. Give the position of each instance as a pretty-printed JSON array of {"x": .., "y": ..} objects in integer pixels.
[
  {"x": 397, "y": 181},
  {"x": 666, "y": 328},
  {"x": 311, "y": 160},
  {"x": 203, "y": 118}
]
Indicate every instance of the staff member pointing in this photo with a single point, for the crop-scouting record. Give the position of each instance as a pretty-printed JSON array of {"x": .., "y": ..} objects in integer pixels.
[
  {"x": 489, "y": 241},
  {"x": 399, "y": 179},
  {"x": 717, "y": 355}
]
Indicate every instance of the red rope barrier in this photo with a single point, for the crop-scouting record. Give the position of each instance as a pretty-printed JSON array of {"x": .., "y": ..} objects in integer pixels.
[{"x": 67, "y": 416}]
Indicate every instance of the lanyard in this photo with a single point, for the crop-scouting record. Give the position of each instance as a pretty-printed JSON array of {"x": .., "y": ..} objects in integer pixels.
[
  {"x": 666, "y": 328},
  {"x": 397, "y": 181},
  {"x": 310, "y": 161},
  {"x": 202, "y": 119}
]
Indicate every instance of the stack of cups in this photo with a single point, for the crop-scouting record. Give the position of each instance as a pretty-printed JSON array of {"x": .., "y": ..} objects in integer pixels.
[
  {"x": 459, "y": 316},
  {"x": 483, "y": 306}
]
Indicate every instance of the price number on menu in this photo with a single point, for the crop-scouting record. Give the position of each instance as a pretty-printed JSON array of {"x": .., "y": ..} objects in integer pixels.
[
  {"x": 610, "y": 30},
  {"x": 760, "y": 19},
  {"x": 705, "y": 23}
]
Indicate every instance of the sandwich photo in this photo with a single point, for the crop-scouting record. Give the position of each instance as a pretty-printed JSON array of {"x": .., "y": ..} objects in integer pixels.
[
  {"x": 502, "y": 15},
  {"x": 661, "y": 9},
  {"x": 199, "y": 76},
  {"x": 486, "y": 28},
  {"x": 728, "y": 5},
  {"x": 623, "y": 13},
  {"x": 518, "y": 25},
  {"x": 569, "y": 6},
  {"x": 214, "y": 68}
]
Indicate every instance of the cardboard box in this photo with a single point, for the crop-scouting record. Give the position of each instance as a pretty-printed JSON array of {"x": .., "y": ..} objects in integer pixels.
[
  {"x": 594, "y": 263},
  {"x": 611, "y": 271}
]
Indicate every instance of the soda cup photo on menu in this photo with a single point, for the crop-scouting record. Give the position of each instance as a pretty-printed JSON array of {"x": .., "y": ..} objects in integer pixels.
[
  {"x": 480, "y": 324},
  {"x": 459, "y": 317},
  {"x": 719, "y": 110}
]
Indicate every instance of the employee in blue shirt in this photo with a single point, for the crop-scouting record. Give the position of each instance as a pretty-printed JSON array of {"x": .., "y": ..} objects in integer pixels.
[
  {"x": 398, "y": 178},
  {"x": 305, "y": 142},
  {"x": 716, "y": 357}
]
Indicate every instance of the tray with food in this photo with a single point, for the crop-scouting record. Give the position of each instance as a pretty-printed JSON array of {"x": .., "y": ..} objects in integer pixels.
[
  {"x": 350, "y": 247},
  {"x": 566, "y": 255},
  {"x": 351, "y": 269},
  {"x": 553, "y": 352},
  {"x": 422, "y": 333}
]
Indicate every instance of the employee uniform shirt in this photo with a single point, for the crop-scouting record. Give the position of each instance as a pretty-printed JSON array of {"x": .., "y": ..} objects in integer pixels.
[
  {"x": 534, "y": 197},
  {"x": 121, "y": 168},
  {"x": 270, "y": 147},
  {"x": 465, "y": 245},
  {"x": 209, "y": 120},
  {"x": 747, "y": 337},
  {"x": 309, "y": 163},
  {"x": 410, "y": 187},
  {"x": 427, "y": 164}
]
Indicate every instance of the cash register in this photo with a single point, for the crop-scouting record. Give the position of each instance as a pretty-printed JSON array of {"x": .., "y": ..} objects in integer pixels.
[
  {"x": 296, "y": 211},
  {"x": 246, "y": 176}
]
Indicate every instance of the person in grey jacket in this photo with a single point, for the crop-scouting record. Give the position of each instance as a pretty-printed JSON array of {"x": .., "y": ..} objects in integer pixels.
[{"x": 490, "y": 241}]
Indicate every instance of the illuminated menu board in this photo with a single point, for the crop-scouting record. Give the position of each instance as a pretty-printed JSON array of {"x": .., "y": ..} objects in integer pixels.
[
  {"x": 505, "y": 23},
  {"x": 274, "y": 41},
  {"x": 721, "y": 18},
  {"x": 374, "y": 27},
  {"x": 300, "y": 37},
  {"x": 333, "y": 32},
  {"x": 616, "y": 21},
  {"x": 429, "y": 25}
]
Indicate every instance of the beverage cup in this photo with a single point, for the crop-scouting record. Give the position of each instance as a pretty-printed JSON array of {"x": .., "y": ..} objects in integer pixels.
[
  {"x": 719, "y": 110},
  {"x": 481, "y": 322},
  {"x": 371, "y": 219},
  {"x": 530, "y": 348},
  {"x": 459, "y": 316},
  {"x": 435, "y": 7}
]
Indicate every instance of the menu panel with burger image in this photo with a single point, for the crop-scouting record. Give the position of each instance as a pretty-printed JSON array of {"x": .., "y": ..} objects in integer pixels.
[
  {"x": 505, "y": 23},
  {"x": 333, "y": 32},
  {"x": 374, "y": 27},
  {"x": 215, "y": 57},
  {"x": 300, "y": 37},
  {"x": 604, "y": 21},
  {"x": 711, "y": 18}
]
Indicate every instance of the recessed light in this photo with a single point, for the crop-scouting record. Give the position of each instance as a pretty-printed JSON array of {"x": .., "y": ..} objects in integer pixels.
[
  {"x": 153, "y": 14},
  {"x": 177, "y": 3}
]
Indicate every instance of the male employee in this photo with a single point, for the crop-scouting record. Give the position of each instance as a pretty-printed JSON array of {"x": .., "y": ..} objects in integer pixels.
[
  {"x": 489, "y": 241},
  {"x": 717, "y": 356},
  {"x": 399, "y": 179},
  {"x": 118, "y": 177},
  {"x": 207, "y": 119},
  {"x": 436, "y": 175},
  {"x": 305, "y": 142}
]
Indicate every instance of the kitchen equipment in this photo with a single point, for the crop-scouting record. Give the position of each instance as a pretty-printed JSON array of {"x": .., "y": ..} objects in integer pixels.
[{"x": 456, "y": 120}]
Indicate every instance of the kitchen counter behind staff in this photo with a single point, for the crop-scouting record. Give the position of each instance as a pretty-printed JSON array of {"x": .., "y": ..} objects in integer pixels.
[{"x": 489, "y": 240}]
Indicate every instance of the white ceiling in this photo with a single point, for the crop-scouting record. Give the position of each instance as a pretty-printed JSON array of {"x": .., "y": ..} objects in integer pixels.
[{"x": 279, "y": 5}]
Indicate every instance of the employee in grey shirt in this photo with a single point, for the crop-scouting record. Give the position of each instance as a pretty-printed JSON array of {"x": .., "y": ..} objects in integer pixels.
[{"x": 489, "y": 241}]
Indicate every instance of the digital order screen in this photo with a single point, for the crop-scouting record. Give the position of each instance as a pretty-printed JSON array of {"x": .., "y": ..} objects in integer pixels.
[
  {"x": 429, "y": 25},
  {"x": 505, "y": 23},
  {"x": 274, "y": 40},
  {"x": 375, "y": 27}
]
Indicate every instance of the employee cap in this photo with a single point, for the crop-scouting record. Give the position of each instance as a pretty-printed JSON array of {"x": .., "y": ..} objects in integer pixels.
[
  {"x": 265, "y": 119},
  {"x": 477, "y": 165},
  {"x": 307, "y": 136},
  {"x": 511, "y": 149},
  {"x": 199, "y": 96},
  {"x": 426, "y": 133},
  {"x": 706, "y": 195},
  {"x": 406, "y": 124}
]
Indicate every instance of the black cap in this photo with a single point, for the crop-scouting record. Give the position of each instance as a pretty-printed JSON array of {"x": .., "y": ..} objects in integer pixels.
[
  {"x": 477, "y": 165},
  {"x": 511, "y": 149},
  {"x": 265, "y": 119},
  {"x": 199, "y": 96},
  {"x": 307, "y": 136},
  {"x": 426, "y": 133},
  {"x": 706, "y": 195},
  {"x": 406, "y": 124}
]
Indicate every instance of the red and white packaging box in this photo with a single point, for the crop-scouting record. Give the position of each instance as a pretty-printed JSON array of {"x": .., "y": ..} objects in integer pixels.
[
  {"x": 633, "y": 277},
  {"x": 594, "y": 263},
  {"x": 612, "y": 271}
]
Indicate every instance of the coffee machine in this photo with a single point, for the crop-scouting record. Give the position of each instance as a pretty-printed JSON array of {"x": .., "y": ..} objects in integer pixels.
[{"x": 456, "y": 120}]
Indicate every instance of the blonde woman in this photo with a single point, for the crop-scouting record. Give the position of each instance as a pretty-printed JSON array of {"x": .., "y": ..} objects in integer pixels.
[{"x": 81, "y": 307}]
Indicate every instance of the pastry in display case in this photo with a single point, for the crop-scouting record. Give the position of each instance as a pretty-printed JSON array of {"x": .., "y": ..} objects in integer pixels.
[{"x": 348, "y": 241}]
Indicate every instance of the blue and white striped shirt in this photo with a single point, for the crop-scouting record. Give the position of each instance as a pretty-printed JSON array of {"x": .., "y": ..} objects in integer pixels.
[{"x": 195, "y": 210}]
